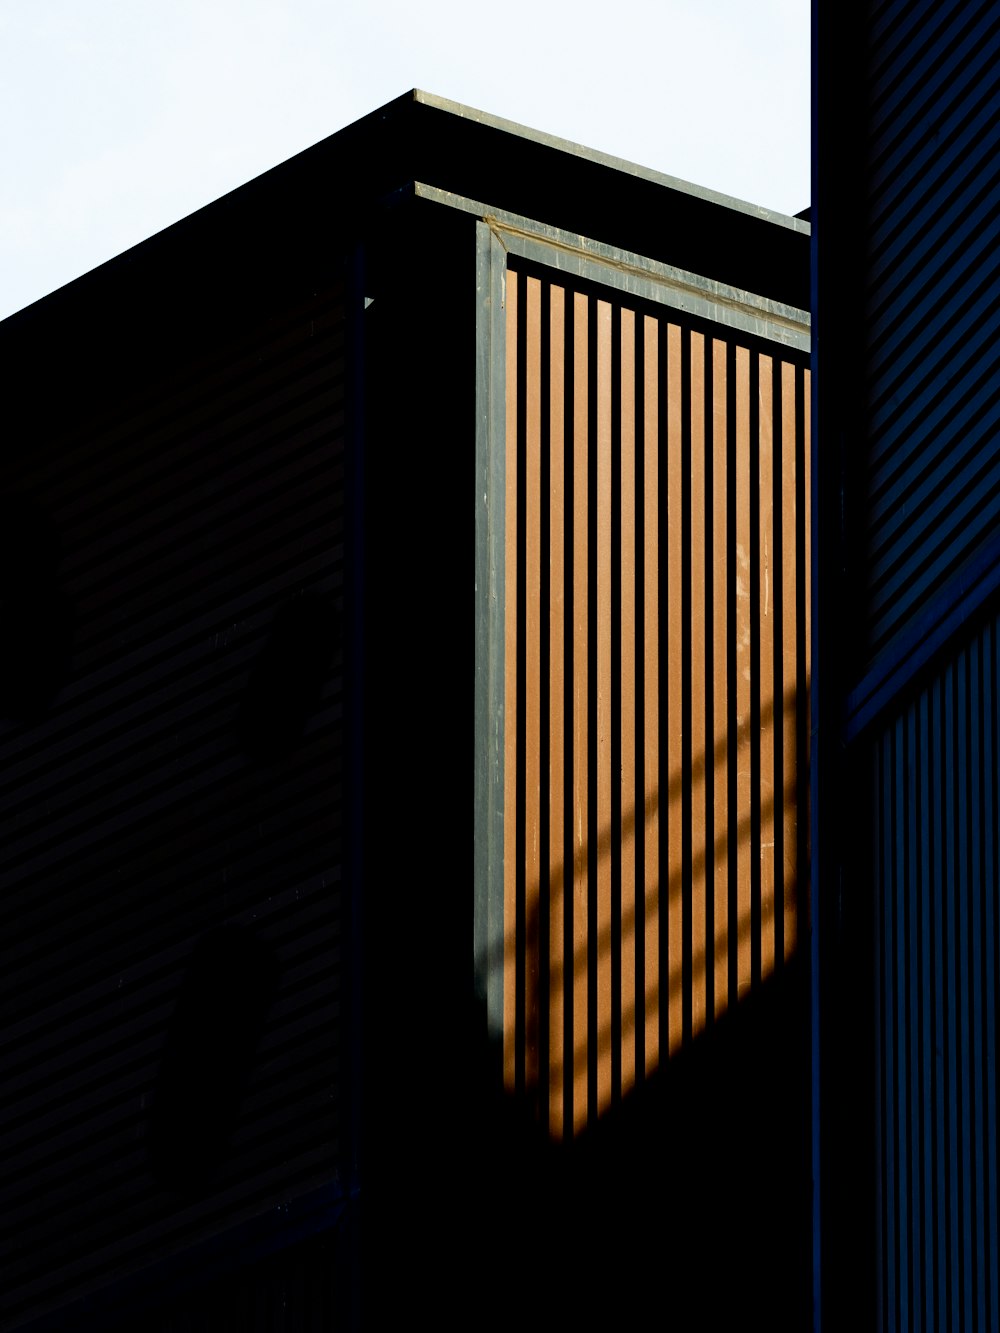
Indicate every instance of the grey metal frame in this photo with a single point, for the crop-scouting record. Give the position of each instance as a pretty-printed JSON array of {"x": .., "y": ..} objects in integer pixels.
[
  {"x": 635, "y": 275},
  {"x": 498, "y": 235},
  {"x": 491, "y": 273}
]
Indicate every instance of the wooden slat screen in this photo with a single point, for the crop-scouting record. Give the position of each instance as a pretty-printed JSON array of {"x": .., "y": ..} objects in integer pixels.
[{"x": 657, "y": 635}]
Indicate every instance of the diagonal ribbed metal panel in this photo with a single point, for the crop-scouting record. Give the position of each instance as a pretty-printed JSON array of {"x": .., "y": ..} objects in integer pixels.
[
  {"x": 932, "y": 479},
  {"x": 938, "y": 953},
  {"x": 171, "y": 826}
]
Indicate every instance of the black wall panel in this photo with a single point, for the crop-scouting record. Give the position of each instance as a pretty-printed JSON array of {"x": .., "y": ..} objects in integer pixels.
[
  {"x": 170, "y": 826},
  {"x": 906, "y": 501}
]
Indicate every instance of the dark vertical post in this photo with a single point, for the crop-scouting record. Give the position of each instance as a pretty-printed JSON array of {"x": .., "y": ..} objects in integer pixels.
[{"x": 354, "y": 585}]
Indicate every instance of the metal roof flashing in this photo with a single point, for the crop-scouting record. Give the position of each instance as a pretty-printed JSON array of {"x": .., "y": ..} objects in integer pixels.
[{"x": 613, "y": 163}]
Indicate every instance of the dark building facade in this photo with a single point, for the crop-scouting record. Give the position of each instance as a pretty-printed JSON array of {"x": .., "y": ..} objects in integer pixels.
[
  {"x": 906, "y": 489},
  {"x": 410, "y": 551}
]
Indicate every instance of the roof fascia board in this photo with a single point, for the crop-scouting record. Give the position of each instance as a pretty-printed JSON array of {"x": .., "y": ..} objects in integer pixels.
[{"x": 617, "y": 164}]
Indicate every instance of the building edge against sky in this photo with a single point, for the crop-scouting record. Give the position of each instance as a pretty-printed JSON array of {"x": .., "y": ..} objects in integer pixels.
[{"x": 256, "y": 695}]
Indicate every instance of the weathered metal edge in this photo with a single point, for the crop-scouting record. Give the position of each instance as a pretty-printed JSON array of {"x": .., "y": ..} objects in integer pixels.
[
  {"x": 635, "y": 275},
  {"x": 491, "y": 267}
]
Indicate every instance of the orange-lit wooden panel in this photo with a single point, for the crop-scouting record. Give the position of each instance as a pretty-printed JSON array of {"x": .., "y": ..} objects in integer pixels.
[{"x": 672, "y": 458}]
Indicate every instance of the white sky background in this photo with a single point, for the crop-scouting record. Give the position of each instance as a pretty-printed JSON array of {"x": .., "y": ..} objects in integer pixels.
[{"x": 117, "y": 117}]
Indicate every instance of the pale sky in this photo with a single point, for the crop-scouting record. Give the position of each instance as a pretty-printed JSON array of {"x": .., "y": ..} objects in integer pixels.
[{"x": 117, "y": 117}]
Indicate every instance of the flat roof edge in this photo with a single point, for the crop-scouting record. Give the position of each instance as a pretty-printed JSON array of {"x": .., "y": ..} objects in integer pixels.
[{"x": 609, "y": 160}]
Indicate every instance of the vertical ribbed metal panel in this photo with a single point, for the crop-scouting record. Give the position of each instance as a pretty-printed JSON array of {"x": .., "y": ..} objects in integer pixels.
[
  {"x": 657, "y": 661},
  {"x": 185, "y": 780},
  {"x": 936, "y": 873},
  {"x": 932, "y": 485}
]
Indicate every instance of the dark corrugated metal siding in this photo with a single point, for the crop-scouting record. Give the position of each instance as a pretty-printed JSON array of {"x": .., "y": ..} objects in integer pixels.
[
  {"x": 907, "y": 188},
  {"x": 936, "y": 830},
  {"x": 657, "y": 648},
  {"x": 300, "y": 1290},
  {"x": 185, "y": 777},
  {"x": 932, "y": 484}
]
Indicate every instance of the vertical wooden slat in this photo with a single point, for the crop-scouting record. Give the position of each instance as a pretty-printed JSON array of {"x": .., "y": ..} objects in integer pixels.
[
  {"x": 510, "y": 698},
  {"x": 603, "y": 1034},
  {"x": 630, "y": 815},
  {"x": 789, "y": 659},
  {"x": 720, "y": 641},
  {"x": 699, "y": 893},
  {"x": 532, "y": 648},
  {"x": 651, "y": 719},
  {"x": 557, "y": 784},
  {"x": 675, "y": 721},
  {"x": 807, "y": 576},
  {"x": 765, "y": 666},
  {"x": 744, "y": 850},
  {"x": 581, "y": 602}
]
